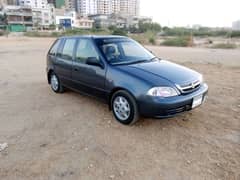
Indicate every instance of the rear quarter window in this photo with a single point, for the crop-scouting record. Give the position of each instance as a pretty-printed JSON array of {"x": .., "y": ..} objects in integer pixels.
[
  {"x": 67, "y": 50},
  {"x": 54, "y": 48}
]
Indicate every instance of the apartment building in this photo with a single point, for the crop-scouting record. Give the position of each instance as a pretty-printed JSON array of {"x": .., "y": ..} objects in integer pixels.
[
  {"x": 3, "y": 2},
  {"x": 43, "y": 17},
  {"x": 33, "y": 3},
  {"x": 19, "y": 18},
  {"x": 104, "y": 6},
  {"x": 129, "y": 7},
  {"x": 116, "y": 6},
  {"x": 70, "y": 5},
  {"x": 90, "y": 7},
  {"x": 86, "y": 7}
]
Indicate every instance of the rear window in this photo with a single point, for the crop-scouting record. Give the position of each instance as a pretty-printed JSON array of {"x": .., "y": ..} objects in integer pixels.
[{"x": 54, "y": 48}]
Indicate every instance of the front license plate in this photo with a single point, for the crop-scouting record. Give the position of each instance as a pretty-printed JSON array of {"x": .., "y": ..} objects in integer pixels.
[{"x": 197, "y": 101}]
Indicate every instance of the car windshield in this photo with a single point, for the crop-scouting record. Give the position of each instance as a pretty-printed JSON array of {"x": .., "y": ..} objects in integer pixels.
[{"x": 123, "y": 51}]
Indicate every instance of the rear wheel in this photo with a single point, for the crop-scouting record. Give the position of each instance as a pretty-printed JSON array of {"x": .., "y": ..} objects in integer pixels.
[
  {"x": 55, "y": 83},
  {"x": 124, "y": 107}
]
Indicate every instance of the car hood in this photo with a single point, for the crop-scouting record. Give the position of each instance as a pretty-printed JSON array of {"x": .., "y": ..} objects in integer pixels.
[{"x": 172, "y": 72}]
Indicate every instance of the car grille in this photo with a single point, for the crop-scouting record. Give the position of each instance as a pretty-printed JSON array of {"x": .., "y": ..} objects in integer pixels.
[{"x": 190, "y": 87}]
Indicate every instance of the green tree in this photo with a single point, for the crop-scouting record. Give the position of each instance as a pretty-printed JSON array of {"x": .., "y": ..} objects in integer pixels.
[
  {"x": 3, "y": 19},
  {"x": 144, "y": 27}
]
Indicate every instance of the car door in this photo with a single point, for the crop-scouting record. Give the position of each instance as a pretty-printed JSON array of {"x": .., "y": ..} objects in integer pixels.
[
  {"x": 88, "y": 78},
  {"x": 64, "y": 60}
]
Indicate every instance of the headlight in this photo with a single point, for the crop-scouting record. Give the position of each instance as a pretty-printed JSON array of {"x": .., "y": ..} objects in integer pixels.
[{"x": 162, "y": 92}]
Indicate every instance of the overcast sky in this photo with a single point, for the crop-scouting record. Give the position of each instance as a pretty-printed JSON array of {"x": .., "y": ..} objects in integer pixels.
[{"x": 213, "y": 13}]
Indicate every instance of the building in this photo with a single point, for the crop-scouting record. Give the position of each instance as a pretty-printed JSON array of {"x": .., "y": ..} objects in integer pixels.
[
  {"x": 100, "y": 20},
  {"x": 33, "y": 3},
  {"x": 3, "y": 2},
  {"x": 71, "y": 20},
  {"x": 104, "y": 6},
  {"x": 116, "y": 6},
  {"x": 91, "y": 7},
  {"x": 12, "y": 2},
  {"x": 117, "y": 21},
  {"x": 19, "y": 18},
  {"x": 106, "y": 20},
  {"x": 68, "y": 20},
  {"x": 134, "y": 21},
  {"x": 86, "y": 7},
  {"x": 84, "y": 23},
  {"x": 70, "y": 5},
  {"x": 43, "y": 18},
  {"x": 236, "y": 25},
  {"x": 129, "y": 7}
]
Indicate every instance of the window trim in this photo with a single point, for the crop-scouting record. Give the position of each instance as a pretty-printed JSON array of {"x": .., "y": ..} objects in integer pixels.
[{"x": 55, "y": 42}]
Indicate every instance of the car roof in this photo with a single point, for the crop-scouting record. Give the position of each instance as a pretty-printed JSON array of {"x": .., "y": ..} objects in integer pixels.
[{"x": 96, "y": 36}]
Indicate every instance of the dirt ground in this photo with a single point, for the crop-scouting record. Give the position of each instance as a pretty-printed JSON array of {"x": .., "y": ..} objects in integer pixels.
[{"x": 71, "y": 136}]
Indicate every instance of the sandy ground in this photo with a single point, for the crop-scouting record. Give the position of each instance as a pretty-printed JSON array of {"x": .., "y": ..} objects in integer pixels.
[{"x": 71, "y": 136}]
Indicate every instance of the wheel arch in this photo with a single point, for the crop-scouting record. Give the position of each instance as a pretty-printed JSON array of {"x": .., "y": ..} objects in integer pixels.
[
  {"x": 114, "y": 91},
  {"x": 48, "y": 75}
]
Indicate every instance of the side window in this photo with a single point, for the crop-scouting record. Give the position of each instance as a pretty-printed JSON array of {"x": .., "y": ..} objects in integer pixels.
[
  {"x": 54, "y": 48},
  {"x": 85, "y": 50},
  {"x": 68, "y": 48}
]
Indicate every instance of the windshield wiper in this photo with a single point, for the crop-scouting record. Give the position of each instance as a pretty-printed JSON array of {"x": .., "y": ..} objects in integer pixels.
[
  {"x": 129, "y": 62},
  {"x": 154, "y": 58},
  {"x": 135, "y": 62}
]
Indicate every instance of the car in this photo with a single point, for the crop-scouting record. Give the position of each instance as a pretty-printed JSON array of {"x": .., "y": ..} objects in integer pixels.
[{"x": 127, "y": 76}]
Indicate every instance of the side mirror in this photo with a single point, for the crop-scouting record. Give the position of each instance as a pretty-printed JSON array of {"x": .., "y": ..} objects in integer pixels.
[{"x": 93, "y": 61}]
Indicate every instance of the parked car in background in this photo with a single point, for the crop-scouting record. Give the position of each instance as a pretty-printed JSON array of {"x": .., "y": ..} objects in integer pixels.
[{"x": 132, "y": 80}]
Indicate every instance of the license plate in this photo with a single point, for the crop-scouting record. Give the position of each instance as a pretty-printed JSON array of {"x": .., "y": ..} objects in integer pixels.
[{"x": 197, "y": 101}]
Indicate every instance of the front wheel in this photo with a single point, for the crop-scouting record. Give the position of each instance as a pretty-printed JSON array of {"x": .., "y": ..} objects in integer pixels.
[{"x": 124, "y": 107}]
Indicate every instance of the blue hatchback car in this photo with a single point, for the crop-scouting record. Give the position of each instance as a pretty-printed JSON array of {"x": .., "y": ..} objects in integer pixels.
[{"x": 132, "y": 80}]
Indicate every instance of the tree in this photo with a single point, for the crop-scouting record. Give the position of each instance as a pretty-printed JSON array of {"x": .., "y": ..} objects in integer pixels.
[
  {"x": 144, "y": 27},
  {"x": 3, "y": 19}
]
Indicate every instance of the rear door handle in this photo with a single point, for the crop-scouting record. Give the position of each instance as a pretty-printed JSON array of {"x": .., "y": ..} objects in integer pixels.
[{"x": 76, "y": 69}]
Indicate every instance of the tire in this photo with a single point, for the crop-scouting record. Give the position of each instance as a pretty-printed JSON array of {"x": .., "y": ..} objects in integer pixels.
[
  {"x": 56, "y": 84},
  {"x": 124, "y": 107}
]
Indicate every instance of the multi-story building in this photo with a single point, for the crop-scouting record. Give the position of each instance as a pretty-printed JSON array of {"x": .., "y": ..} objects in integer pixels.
[
  {"x": 86, "y": 7},
  {"x": 104, "y": 6},
  {"x": 43, "y": 17},
  {"x": 70, "y": 5},
  {"x": 116, "y": 6},
  {"x": 236, "y": 25},
  {"x": 19, "y": 18},
  {"x": 12, "y": 2},
  {"x": 3, "y": 2},
  {"x": 33, "y": 3},
  {"x": 91, "y": 7},
  {"x": 129, "y": 7}
]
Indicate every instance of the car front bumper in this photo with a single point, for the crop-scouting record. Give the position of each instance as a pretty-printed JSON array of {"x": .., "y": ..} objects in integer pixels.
[{"x": 167, "y": 107}]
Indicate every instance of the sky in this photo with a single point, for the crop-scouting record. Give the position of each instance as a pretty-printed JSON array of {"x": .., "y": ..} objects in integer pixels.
[{"x": 211, "y": 13}]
